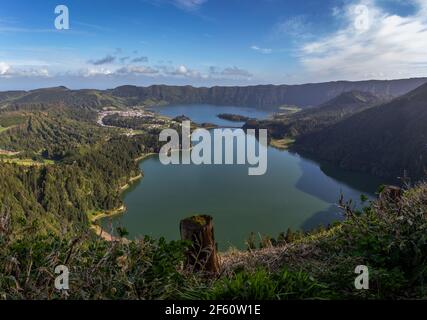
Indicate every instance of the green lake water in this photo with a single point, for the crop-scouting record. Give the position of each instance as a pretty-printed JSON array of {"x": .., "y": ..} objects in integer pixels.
[{"x": 295, "y": 192}]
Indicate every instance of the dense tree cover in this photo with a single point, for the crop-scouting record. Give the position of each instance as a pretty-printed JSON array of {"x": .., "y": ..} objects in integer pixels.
[
  {"x": 361, "y": 132},
  {"x": 54, "y": 134},
  {"x": 9, "y": 95},
  {"x": 92, "y": 164},
  {"x": 10, "y": 119},
  {"x": 292, "y": 125},
  {"x": 388, "y": 140},
  {"x": 268, "y": 97},
  {"x": 44, "y": 223},
  {"x": 81, "y": 99},
  {"x": 61, "y": 195}
]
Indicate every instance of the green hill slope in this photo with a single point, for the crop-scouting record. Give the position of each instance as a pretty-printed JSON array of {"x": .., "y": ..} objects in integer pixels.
[
  {"x": 314, "y": 119},
  {"x": 63, "y": 96},
  {"x": 268, "y": 97},
  {"x": 386, "y": 140}
]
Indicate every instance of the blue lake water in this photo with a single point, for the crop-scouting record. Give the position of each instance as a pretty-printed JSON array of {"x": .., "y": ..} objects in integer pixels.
[
  {"x": 296, "y": 192},
  {"x": 209, "y": 113}
]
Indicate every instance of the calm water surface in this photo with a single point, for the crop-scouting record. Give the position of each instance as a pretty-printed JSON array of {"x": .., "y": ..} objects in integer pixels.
[{"x": 295, "y": 192}]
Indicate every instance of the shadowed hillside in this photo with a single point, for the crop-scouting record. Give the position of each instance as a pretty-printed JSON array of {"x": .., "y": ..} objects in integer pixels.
[
  {"x": 61, "y": 96},
  {"x": 8, "y": 95},
  {"x": 265, "y": 96},
  {"x": 262, "y": 96},
  {"x": 315, "y": 119},
  {"x": 386, "y": 140}
]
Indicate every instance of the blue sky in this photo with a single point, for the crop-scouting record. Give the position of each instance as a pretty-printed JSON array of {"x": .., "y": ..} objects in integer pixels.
[{"x": 210, "y": 42}]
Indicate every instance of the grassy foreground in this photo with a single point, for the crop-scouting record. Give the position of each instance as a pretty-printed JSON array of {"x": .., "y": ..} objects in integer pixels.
[{"x": 389, "y": 237}]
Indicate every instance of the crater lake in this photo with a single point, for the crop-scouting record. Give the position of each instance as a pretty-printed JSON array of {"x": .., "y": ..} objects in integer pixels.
[{"x": 296, "y": 192}]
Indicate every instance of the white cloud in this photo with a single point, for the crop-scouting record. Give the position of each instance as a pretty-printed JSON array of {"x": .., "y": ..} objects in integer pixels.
[
  {"x": 34, "y": 72},
  {"x": 4, "y": 68},
  {"x": 336, "y": 11},
  {"x": 229, "y": 73},
  {"x": 236, "y": 72},
  {"x": 422, "y": 4},
  {"x": 136, "y": 70},
  {"x": 381, "y": 45},
  {"x": 182, "y": 74},
  {"x": 297, "y": 27},
  {"x": 123, "y": 71},
  {"x": 91, "y": 72},
  {"x": 213, "y": 73},
  {"x": 182, "y": 71},
  {"x": 262, "y": 50},
  {"x": 189, "y": 4},
  {"x": 8, "y": 71}
]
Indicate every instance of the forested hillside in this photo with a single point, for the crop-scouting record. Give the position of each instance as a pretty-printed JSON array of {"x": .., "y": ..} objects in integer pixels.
[
  {"x": 388, "y": 140},
  {"x": 264, "y": 96},
  {"x": 292, "y": 125},
  {"x": 268, "y": 97},
  {"x": 8, "y": 95},
  {"x": 58, "y": 169},
  {"x": 52, "y": 135},
  {"x": 90, "y": 165},
  {"x": 61, "y": 96}
]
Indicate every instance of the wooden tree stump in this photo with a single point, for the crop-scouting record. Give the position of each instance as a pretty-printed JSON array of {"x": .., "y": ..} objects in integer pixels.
[{"x": 202, "y": 255}]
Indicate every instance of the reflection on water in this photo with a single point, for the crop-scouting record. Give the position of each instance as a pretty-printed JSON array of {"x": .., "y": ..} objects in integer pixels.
[
  {"x": 294, "y": 193},
  {"x": 356, "y": 180}
]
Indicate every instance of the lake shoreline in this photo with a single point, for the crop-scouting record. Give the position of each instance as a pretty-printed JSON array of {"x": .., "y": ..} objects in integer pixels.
[
  {"x": 145, "y": 156},
  {"x": 296, "y": 193},
  {"x": 281, "y": 144},
  {"x": 114, "y": 212},
  {"x": 131, "y": 181},
  {"x": 101, "y": 232}
]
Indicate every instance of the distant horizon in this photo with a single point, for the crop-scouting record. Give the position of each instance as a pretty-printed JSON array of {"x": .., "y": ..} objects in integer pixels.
[{"x": 202, "y": 86}]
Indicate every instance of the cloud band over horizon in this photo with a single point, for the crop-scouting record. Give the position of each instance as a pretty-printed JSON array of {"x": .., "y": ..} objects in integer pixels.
[{"x": 290, "y": 50}]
